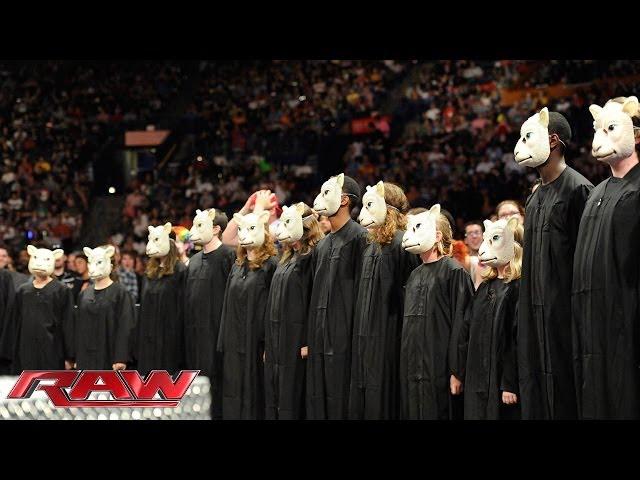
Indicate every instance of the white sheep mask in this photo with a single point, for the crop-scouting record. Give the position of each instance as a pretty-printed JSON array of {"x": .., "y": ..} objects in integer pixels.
[
  {"x": 159, "y": 244},
  {"x": 99, "y": 261},
  {"x": 533, "y": 148},
  {"x": 42, "y": 261},
  {"x": 251, "y": 228},
  {"x": 328, "y": 200},
  {"x": 497, "y": 249},
  {"x": 290, "y": 228},
  {"x": 614, "y": 137},
  {"x": 374, "y": 207},
  {"x": 421, "y": 231},
  {"x": 201, "y": 231}
]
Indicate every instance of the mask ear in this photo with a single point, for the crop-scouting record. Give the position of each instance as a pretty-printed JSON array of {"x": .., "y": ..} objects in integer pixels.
[
  {"x": 300, "y": 208},
  {"x": 380, "y": 188},
  {"x": 543, "y": 117},
  {"x": 167, "y": 228},
  {"x": 630, "y": 106},
  {"x": 212, "y": 213},
  {"x": 512, "y": 224},
  {"x": 239, "y": 218},
  {"x": 340, "y": 180},
  {"x": 31, "y": 250},
  {"x": 198, "y": 211},
  {"x": 150, "y": 229},
  {"x": 435, "y": 210},
  {"x": 58, "y": 253},
  {"x": 110, "y": 251},
  {"x": 263, "y": 216},
  {"x": 487, "y": 224},
  {"x": 87, "y": 251},
  {"x": 596, "y": 111}
]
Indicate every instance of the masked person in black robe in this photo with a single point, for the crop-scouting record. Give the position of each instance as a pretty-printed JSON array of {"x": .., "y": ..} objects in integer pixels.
[
  {"x": 7, "y": 297},
  {"x": 337, "y": 261},
  {"x": 40, "y": 333},
  {"x": 287, "y": 313},
  {"x": 606, "y": 275},
  {"x": 206, "y": 282},
  {"x": 159, "y": 333},
  {"x": 436, "y": 297},
  {"x": 375, "y": 391},
  {"x": 241, "y": 337},
  {"x": 104, "y": 317},
  {"x": 552, "y": 216},
  {"x": 488, "y": 335}
]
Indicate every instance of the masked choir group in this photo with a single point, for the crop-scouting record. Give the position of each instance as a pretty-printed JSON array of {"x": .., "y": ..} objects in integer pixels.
[{"x": 376, "y": 319}]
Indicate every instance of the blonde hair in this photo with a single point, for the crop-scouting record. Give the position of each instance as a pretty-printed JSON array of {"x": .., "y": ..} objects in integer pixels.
[
  {"x": 514, "y": 267},
  {"x": 311, "y": 235},
  {"x": 263, "y": 252},
  {"x": 157, "y": 269},
  {"x": 444, "y": 246},
  {"x": 397, "y": 206}
]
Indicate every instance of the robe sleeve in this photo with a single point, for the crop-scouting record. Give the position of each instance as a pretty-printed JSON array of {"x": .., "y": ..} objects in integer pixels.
[
  {"x": 576, "y": 207},
  {"x": 460, "y": 295},
  {"x": 223, "y": 316},
  {"x": 307, "y": 286},
  {"x": 8, "y": 337},
  {"x": 509, "y": 382},
  {"x": 124, "y": 324},
  {"x": 67, "y": 323},
  {"x": 7, "y": 298}
]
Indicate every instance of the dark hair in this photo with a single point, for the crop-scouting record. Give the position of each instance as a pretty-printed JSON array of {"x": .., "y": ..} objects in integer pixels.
[
  {"x": 452, "y": 222},
  {"x": 559, "y": 125},
  {"x": 221, "y": 220},
  {"x": 129, "y": 253},
  {"x": 352, "y": 189},
  {"x": 468, "y": 224}
]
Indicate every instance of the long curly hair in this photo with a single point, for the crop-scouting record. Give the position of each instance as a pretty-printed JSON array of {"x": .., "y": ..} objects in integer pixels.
[
  {"x": 157, "y": 268},
  {"x": 397, "y": 207},
  {"x": 311, "y": 235},
  {"x": 514, "y": 267},
  {"x": 263, "y": 252}
]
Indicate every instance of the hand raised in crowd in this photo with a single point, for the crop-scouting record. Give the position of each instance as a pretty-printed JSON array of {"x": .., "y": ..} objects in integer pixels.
[
  {"x": 249, "y": 204},
  {"x": 456, "y": 386},
  {"x": 304, "y": 352},
  {"x": 119, "y": 366},
  {"x": 69, "y": 365},
  {"x": 509, "y": 398},
  {"x": 265, "y": 200}
]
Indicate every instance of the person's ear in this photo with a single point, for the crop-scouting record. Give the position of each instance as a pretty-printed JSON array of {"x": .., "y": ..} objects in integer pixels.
[
  {"x": 344, "y": 200},
  {"x": 438, "y": 236},
  {"x": 216, "y": 230},
  {"x": 554, "y": 140}
]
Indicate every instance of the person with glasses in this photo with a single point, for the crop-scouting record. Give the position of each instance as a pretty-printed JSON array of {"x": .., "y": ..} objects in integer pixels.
[
  {"x": 473, "y": 241},
  {"x": 510, "y": 208}
]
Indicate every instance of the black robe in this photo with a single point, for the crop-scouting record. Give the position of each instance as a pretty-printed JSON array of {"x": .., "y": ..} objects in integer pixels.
[
  {"x": 40, "y": 333},
  {"x": 103, "y": 322},
  {"x": 490, "y": 331},
  {"x": 204, "y": 294},
  {"x": 544, "y": 337},
  {"x": 436, "y": 297},
  {"x": 606, "y": 301},
  {"x": 337, "y": 262},
  {"x": 159, "y": 333},
  {"x": 241, "y": 341},
  {"x": 7, "y": 295},
  {"x": 377, "y": 327},
  {"x": 285, "y": 335}
]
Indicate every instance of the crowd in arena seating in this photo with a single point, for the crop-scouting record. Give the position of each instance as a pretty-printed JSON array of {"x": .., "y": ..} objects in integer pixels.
[
  {"x": 260, "y": 124},
  {"x": 54, "y": 119}
]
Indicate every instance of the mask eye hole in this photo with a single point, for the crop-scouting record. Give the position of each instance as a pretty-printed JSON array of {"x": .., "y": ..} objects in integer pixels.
[
  {"x": 253, "y": 227},
  {"x": 496, "y": 238},
  {"x": 611, "y": 128},
  {"x": 369, "y": 204},
  {"x": 287, "y": 221},
  {"x": 418, "y": 225},
  {"x": 326, "y": 192},
  {"x": 528, "y": 135}
]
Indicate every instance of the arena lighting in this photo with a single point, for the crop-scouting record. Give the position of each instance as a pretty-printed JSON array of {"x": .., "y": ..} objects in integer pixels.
[
  {"x": 112, "y": 190},
  {"x": 199, "y": 158},
  {"x": 302, "y": 98}
]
